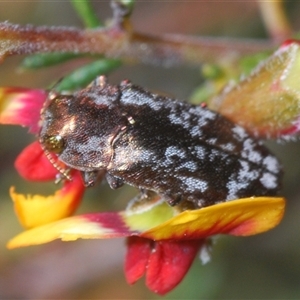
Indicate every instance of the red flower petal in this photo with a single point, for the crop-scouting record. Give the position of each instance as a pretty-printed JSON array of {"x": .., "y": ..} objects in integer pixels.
[
  {"x": 21, "y": 106},
  {"x": 168, "y": 263},
  {"x": 164, "y": 263},
  {"x": 138, "y": 252},
  {"x": 32, "y": 164}
]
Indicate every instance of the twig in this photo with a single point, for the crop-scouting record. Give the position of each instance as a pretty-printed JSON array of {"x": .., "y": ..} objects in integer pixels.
[
  {"x": 114, "y": 42},
  {"x": 275, "y": 19}
]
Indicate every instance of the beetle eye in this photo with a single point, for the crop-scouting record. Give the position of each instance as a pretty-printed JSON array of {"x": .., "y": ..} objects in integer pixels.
[{"x": 54, "y": 143}]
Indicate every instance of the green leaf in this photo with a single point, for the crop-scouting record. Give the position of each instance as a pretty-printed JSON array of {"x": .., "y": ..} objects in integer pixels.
[
  {"x": 86, "y": 13},
  {"x": 84, "y": 75},
  {"x": 38, "y": 61}
]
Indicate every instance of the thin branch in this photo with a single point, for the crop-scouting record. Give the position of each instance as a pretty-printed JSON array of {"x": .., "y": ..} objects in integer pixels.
[
  {"x": 115, "y": 42},
  {"x": 275, "y": 19}
]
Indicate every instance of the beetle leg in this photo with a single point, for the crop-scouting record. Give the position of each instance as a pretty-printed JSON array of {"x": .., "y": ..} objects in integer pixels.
[
  {"x": 113, "y": 181},
  {"x": 92, "y": 177}
]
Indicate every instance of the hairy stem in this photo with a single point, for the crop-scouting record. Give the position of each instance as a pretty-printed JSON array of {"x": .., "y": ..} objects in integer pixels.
[{"x": 114, "y": 42}]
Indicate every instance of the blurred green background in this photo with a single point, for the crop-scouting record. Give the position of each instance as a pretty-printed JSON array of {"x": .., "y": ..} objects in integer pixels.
[{"x": 266, "y": 266}]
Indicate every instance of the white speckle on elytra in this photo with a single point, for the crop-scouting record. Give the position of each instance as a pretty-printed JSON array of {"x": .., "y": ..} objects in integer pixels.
[
  {"x": 195, "y": 131},
  {"x": 213, "y": 154},
  {"x": 172, "y": 153},
  {"x": 188, "y": 118},
  {"x": 233, "y": 187},
  {"x": 193, "y": 184},
  {"x": 228, "y": 147},
  {"x": 271, "y": 164},
  {"x": 268, "y": 180},
  {"x": 245, "y": 174},
  {"x": 254, "y": 156},
  {"x": 132, "y": 97},
  {"x": 249, "y": 153},
  {"x": 175, "y": 119},
  {"x": 189, "y": 165},
  {"x": 211, "y": 141},
  {"x": 175, "y": 151},
  {"x": 205, "y": 114},
  {"x": 100, "y": 99},
  {"x": 239, "y": 133},
  {"x": 181, "y": 118},
  {"x": 200, "y": 152},
  {"x": 244, "y": 177}
]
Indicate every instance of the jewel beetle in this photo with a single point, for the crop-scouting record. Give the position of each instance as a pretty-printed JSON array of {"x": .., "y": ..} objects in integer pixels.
[{"x": 181, "y": 151}]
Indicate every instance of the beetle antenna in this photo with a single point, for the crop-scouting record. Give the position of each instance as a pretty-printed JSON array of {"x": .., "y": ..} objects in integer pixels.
[{"x": 62, "y": 171}]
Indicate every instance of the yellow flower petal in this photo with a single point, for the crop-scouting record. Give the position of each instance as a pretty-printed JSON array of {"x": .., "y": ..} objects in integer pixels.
[
  {"x": 68, "y": 229},
  {"x": 241, "y": 217},
  {"x": 96, "y": 226},
  {"x": 36, "y": 210}
]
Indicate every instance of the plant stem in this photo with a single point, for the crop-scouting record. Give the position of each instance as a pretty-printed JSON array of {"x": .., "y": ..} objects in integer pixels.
[
  {"x": 275, "y": 19},
  {"x": 167, "y": 50}
]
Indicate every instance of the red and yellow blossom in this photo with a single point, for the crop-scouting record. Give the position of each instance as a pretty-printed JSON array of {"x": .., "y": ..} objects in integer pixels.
[
  {"x": 162, "y": 250},
  {"x": 162, "y": 241},
  {"x": 21, "y": 106}
]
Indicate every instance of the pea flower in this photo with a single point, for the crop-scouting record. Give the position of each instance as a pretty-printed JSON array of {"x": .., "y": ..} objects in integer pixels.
[
  {"x": 21, "y": 106},
  {"x": 162, "y": 241}
]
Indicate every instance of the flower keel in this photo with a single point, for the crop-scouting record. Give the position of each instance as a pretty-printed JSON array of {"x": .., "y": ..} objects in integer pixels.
[{"x": 164, "y": 263}]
